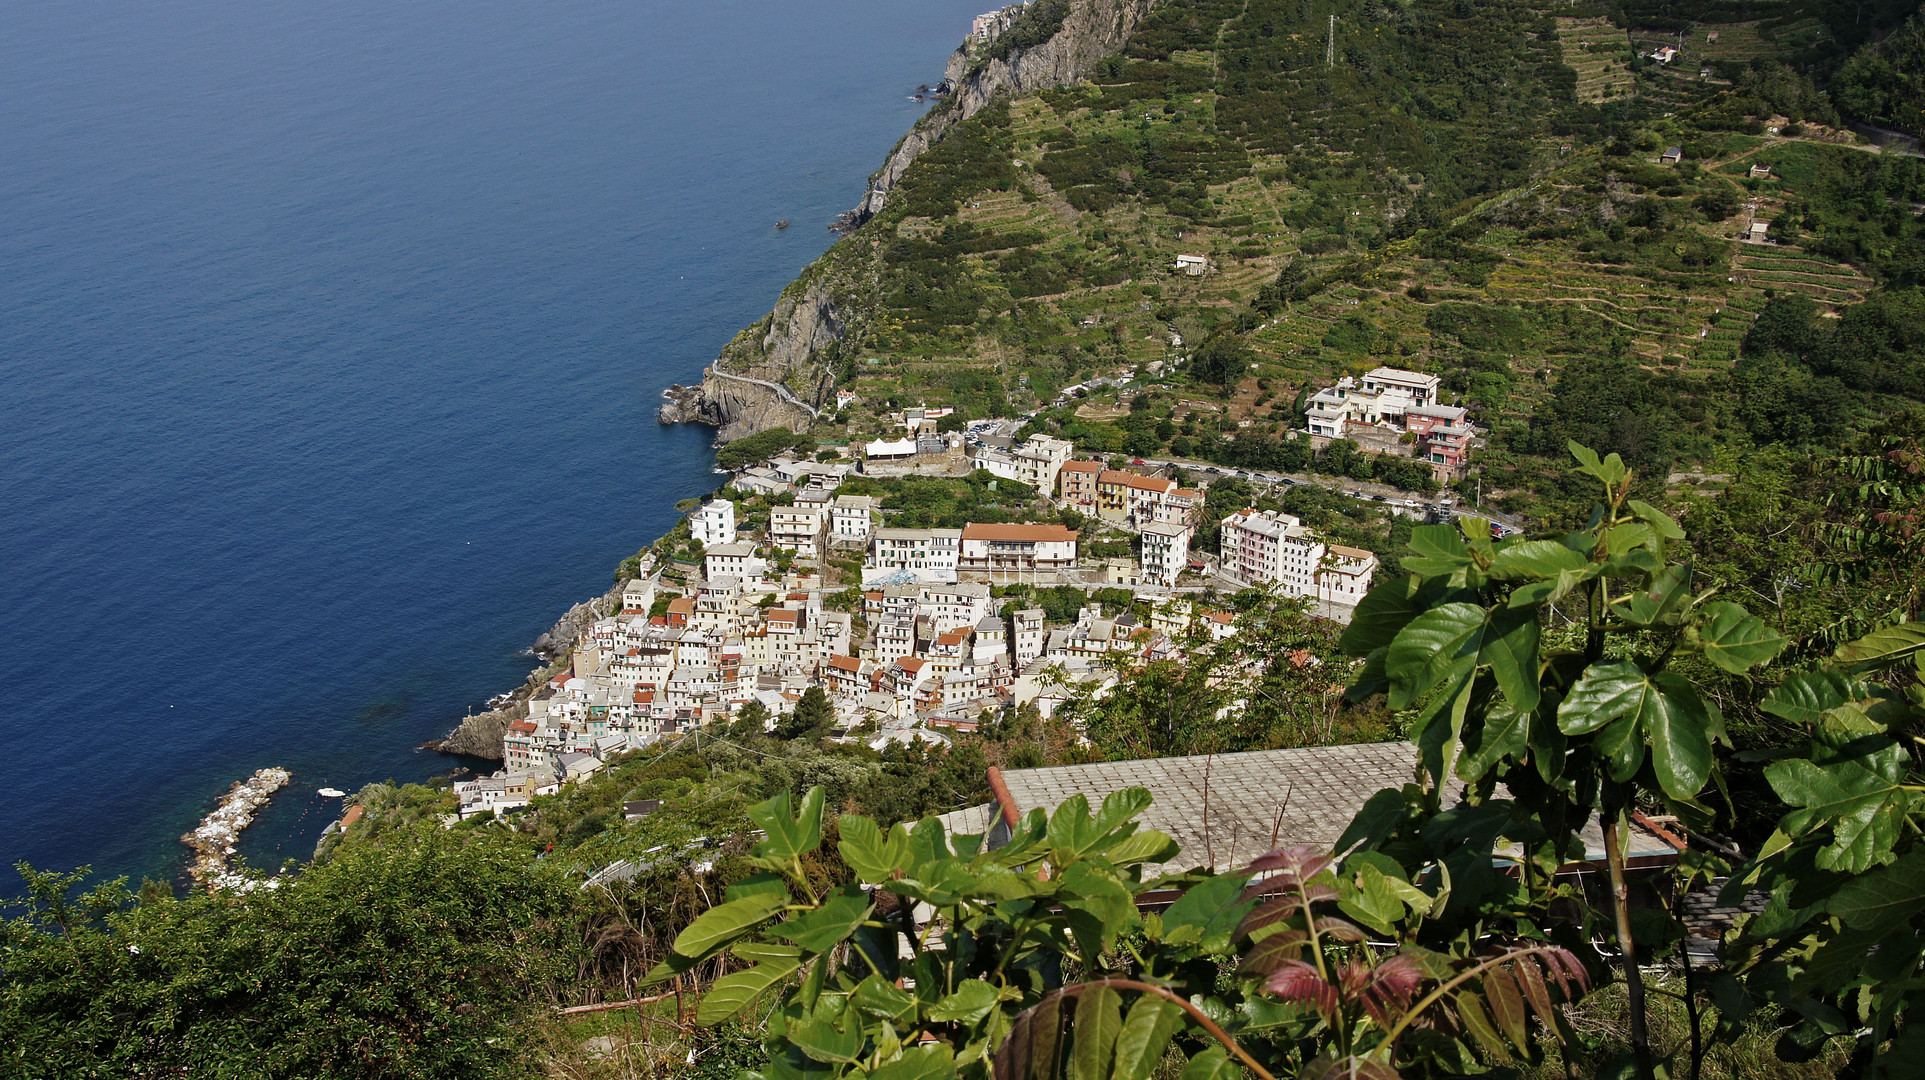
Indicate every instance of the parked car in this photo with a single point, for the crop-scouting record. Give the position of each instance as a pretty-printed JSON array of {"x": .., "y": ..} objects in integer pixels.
[
  {"x": 1381, "y": 498},
  {"x": 1289, "y": 481}
]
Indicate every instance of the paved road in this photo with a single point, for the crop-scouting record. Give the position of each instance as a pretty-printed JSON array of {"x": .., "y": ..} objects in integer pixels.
[
  {"x": 781, "y": 391},
  {"x": 1409, "y": 502}
]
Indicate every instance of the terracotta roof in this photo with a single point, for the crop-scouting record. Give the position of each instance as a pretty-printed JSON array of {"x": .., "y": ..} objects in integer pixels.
[
  {"x": 682, "y": 605},
  {"x": 845, "y": 663},
  {"x": 911, "y": 664},
  {"x": 521, "y": 726},
  {"x": 783, "y": 615},
  {"x": 1082, "y": 466},
  {"x": 975, "y": 531},
  {"x": 954, "y": 637},
  {"x": 1188, "y": 493},
  {"x": 1351, "y": 552}
]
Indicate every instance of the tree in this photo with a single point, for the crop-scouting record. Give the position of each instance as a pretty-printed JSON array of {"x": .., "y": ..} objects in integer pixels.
[
  {"x": 811, "y": 718},
  {"x": 751, "y": 719},
  {"x": 1552, "y": 668}
]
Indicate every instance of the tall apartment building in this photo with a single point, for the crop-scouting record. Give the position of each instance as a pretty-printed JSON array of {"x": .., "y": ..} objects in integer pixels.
[
  {"x": 1018, "y": 551},
  {"x": 1260, "y": 547},
  {"x": 930, "y": 555},
  {"x": 713, "y": 523},
  {"x": 1036, "y": 462},
  {"x": 1165, "y": 551},
  {"x": 800, "y": 527},
  {"x": 1028, "y": 639}
]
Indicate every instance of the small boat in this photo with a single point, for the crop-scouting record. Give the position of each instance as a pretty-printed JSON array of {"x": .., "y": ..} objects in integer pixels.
[
  {"x": 332, "y": 793},
  {"x": 783, "y": 224}
]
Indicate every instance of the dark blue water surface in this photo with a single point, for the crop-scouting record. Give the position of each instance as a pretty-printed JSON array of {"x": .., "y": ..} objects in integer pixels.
[{"x": 331, "y": 336}]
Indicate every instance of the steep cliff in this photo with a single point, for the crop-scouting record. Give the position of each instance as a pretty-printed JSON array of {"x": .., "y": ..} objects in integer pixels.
[
  {"x": 1091, "y": 30},
  {"x": 781, "y": 371}
]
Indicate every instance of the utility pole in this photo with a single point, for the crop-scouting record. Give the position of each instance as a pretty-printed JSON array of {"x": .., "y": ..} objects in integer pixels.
[{"x": 1330, "y": 45}]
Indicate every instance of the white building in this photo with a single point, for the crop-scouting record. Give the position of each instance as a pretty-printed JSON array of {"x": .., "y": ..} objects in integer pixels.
[
  {"x": 732, "y": 561},
  {"x": 714, "y": 523},
  {"x": 1260, "y": 547},
  {"x": 1384, "y": 394},
  {"x": 1028, "y": 641},
  {"x": 1022, "y": 552},
  {"x": 1193, "y": 265},
  {"x": 929, "y": 555},
  {"x": 952, "y": 607},
  {"x": 1165, "y": 552},
  {"x": 1036, "y": 463},
  {"x": 852, "y": 520},
  {"x": 799, "y": 527}
]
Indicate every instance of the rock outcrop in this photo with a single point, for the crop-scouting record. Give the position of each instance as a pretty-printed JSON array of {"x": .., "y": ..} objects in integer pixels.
[
  {"x": 780, "y": 372},
  {"x": 1092, "y": 30},
  {"x": 479, "y": 735}
]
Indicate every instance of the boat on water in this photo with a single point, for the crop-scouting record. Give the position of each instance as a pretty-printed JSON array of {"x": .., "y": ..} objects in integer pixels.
[
  {"x": 332, "y": 793},
  {"x": 783, "y": 224}
]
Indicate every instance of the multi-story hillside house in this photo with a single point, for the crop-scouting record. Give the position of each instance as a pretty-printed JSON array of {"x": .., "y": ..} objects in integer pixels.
[
  {"x": 1165, "y": 551},
  {"x": 1443, "y": 438},
  {"x": 800, "y": 527},
  {"x": 1018, "y": 552},
  {"x": 1076, "y": 484},
  {"x": 913, "y": 555},
  {"x": 852, "y": 520},
  {"x": 1260, "y": 547},
  {"x": 1400, "y": 399},
  {"x": 1027, "y": 638},
  {"x": 950, "y": 607},
  {"x": 732, "y": 561},
  {"x": 1036, "y": 462},
  {"x": 713, "y": 523}
]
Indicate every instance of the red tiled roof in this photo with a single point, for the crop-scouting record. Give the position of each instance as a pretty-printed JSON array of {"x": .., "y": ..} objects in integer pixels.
[
  {"x": 974, "y": 531},
  {"x": 1083, "y": 466},
  {"x": 845, "y": 663}
]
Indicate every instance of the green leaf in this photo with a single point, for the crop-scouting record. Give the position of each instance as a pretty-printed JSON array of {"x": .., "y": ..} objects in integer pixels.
[
  {"x": 722, "y": 922},
  {"x": 1212, "y": 1064},
  {"x": 826, "y": 926},
  {"x": 1884, "y": 645},
  {"x": 757, "y": 951},
  {"x": 1805, "y": 696},
  {"x": 1536, "y": 560},
  {"x": 1658, "y": 601},
  {"x": 789, "y": 836},
  {"x": 1099, "y": 1017},
  {"x": 1735, "y": 639},
  {"x": 1470, "y": 1009},
  {"x": 883, "y": 999},
  {"x": 1611, "y": 470},
  {"x": 825, "y": 1042},
  {"x": 1866, "y": 810},
  {"x": 873, "y": 856},
  {"x": 1436, "y": 551},
  {"x": 969, "y": 1004},
  {"x": 1367, "y": 897},
  {"x": 1382, "y": 612},
  {"x": 1659, "y": 521},
  {"x": 1148, "y": 845},
  {"x": 1376, "y": 819},
  {"x": 1449, "y": 643},
  {"x": 732, "y": 992},
  {"x": 1665, "y": 712},
  {"x": 757, "y": 885},
  {"x": 1146, "y": 1033},
  {"x": 1214, "y": 906},
  {"x": 1503, "y": 737},
  {"x": 928, "y": 1062}
]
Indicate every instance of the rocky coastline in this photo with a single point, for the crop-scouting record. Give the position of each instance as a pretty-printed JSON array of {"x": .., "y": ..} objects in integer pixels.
[{"x": 479, "y": 735}]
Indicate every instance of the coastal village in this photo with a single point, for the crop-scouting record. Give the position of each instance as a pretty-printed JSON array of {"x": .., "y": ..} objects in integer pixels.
[{"x": 786, "y": 587}]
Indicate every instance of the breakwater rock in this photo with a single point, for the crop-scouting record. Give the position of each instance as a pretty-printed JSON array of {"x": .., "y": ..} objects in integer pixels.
[
  {"x": 214, "y": 839},
  {"x": 567, "y": 630},
  {"x": 480, "y": 735}
]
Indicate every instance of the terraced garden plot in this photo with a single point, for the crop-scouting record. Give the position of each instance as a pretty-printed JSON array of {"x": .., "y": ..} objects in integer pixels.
[
  {"x": 1735, "y": 42},
  {"x": 1835, "y": 284},
  {"x": 1600, "y": 54}
]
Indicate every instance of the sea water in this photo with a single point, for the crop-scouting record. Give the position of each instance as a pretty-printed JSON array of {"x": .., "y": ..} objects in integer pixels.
[{"x": 331, "y": 338}]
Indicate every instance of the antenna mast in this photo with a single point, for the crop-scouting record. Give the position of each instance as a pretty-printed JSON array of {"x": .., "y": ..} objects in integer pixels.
[{"x": 1330, "y": 45}]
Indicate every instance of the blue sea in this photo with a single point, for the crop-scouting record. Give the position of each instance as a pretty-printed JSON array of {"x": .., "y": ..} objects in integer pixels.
[{"x": 331, "y": 338}]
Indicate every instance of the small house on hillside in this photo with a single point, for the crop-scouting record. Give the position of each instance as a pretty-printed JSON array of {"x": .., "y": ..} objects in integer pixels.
[
  {"x": 1760, "y": 172},
  {"x": 1673, "y": 155},
  {"x": 1193, "y": 265}
]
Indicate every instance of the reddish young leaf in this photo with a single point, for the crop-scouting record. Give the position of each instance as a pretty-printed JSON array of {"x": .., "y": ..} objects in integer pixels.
[
  {"x": 1297, "y": 981},
  {"x": 1265, "y": 955},
  {"x": 1507, "y": 1005}
]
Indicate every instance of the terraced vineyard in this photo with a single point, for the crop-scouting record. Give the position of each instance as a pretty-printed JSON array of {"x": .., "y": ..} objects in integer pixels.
[
  {"x": 1768, "y": 266},
  {"x": 1600, "y": 54}
]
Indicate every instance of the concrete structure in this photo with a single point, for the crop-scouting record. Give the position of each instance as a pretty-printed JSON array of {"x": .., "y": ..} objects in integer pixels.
[
  {"x": 1193, "y": 265},
  {"x": 1443, "y": 437},
  {"x": 1260, "y": 548},
  {"x": 713, "y": 523},
  {"x": 732, "y": 561},
  {"x": 1018, "y": 552},
  {"x": 1164, "y": 553},
  {"x": 1383, "y": 395}
]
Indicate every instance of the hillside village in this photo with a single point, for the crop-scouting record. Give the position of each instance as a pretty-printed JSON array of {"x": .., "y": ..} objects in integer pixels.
[{"x": 785, "y": 588}]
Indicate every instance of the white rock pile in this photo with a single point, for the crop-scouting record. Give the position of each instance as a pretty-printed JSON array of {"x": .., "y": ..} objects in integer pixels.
[{"x": 214, "y": 839}]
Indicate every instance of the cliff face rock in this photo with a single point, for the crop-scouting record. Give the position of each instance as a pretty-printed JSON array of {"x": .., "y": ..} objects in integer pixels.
[
  {"x": 1092, "y": 30},
  {"x": 778, "y": 372},
  {"x": 480, "y": 735},
  {"x": 568, "y": 629}
]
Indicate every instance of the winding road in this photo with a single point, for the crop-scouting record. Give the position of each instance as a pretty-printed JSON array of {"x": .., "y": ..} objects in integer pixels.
[{"x": 781, "y": 391}]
